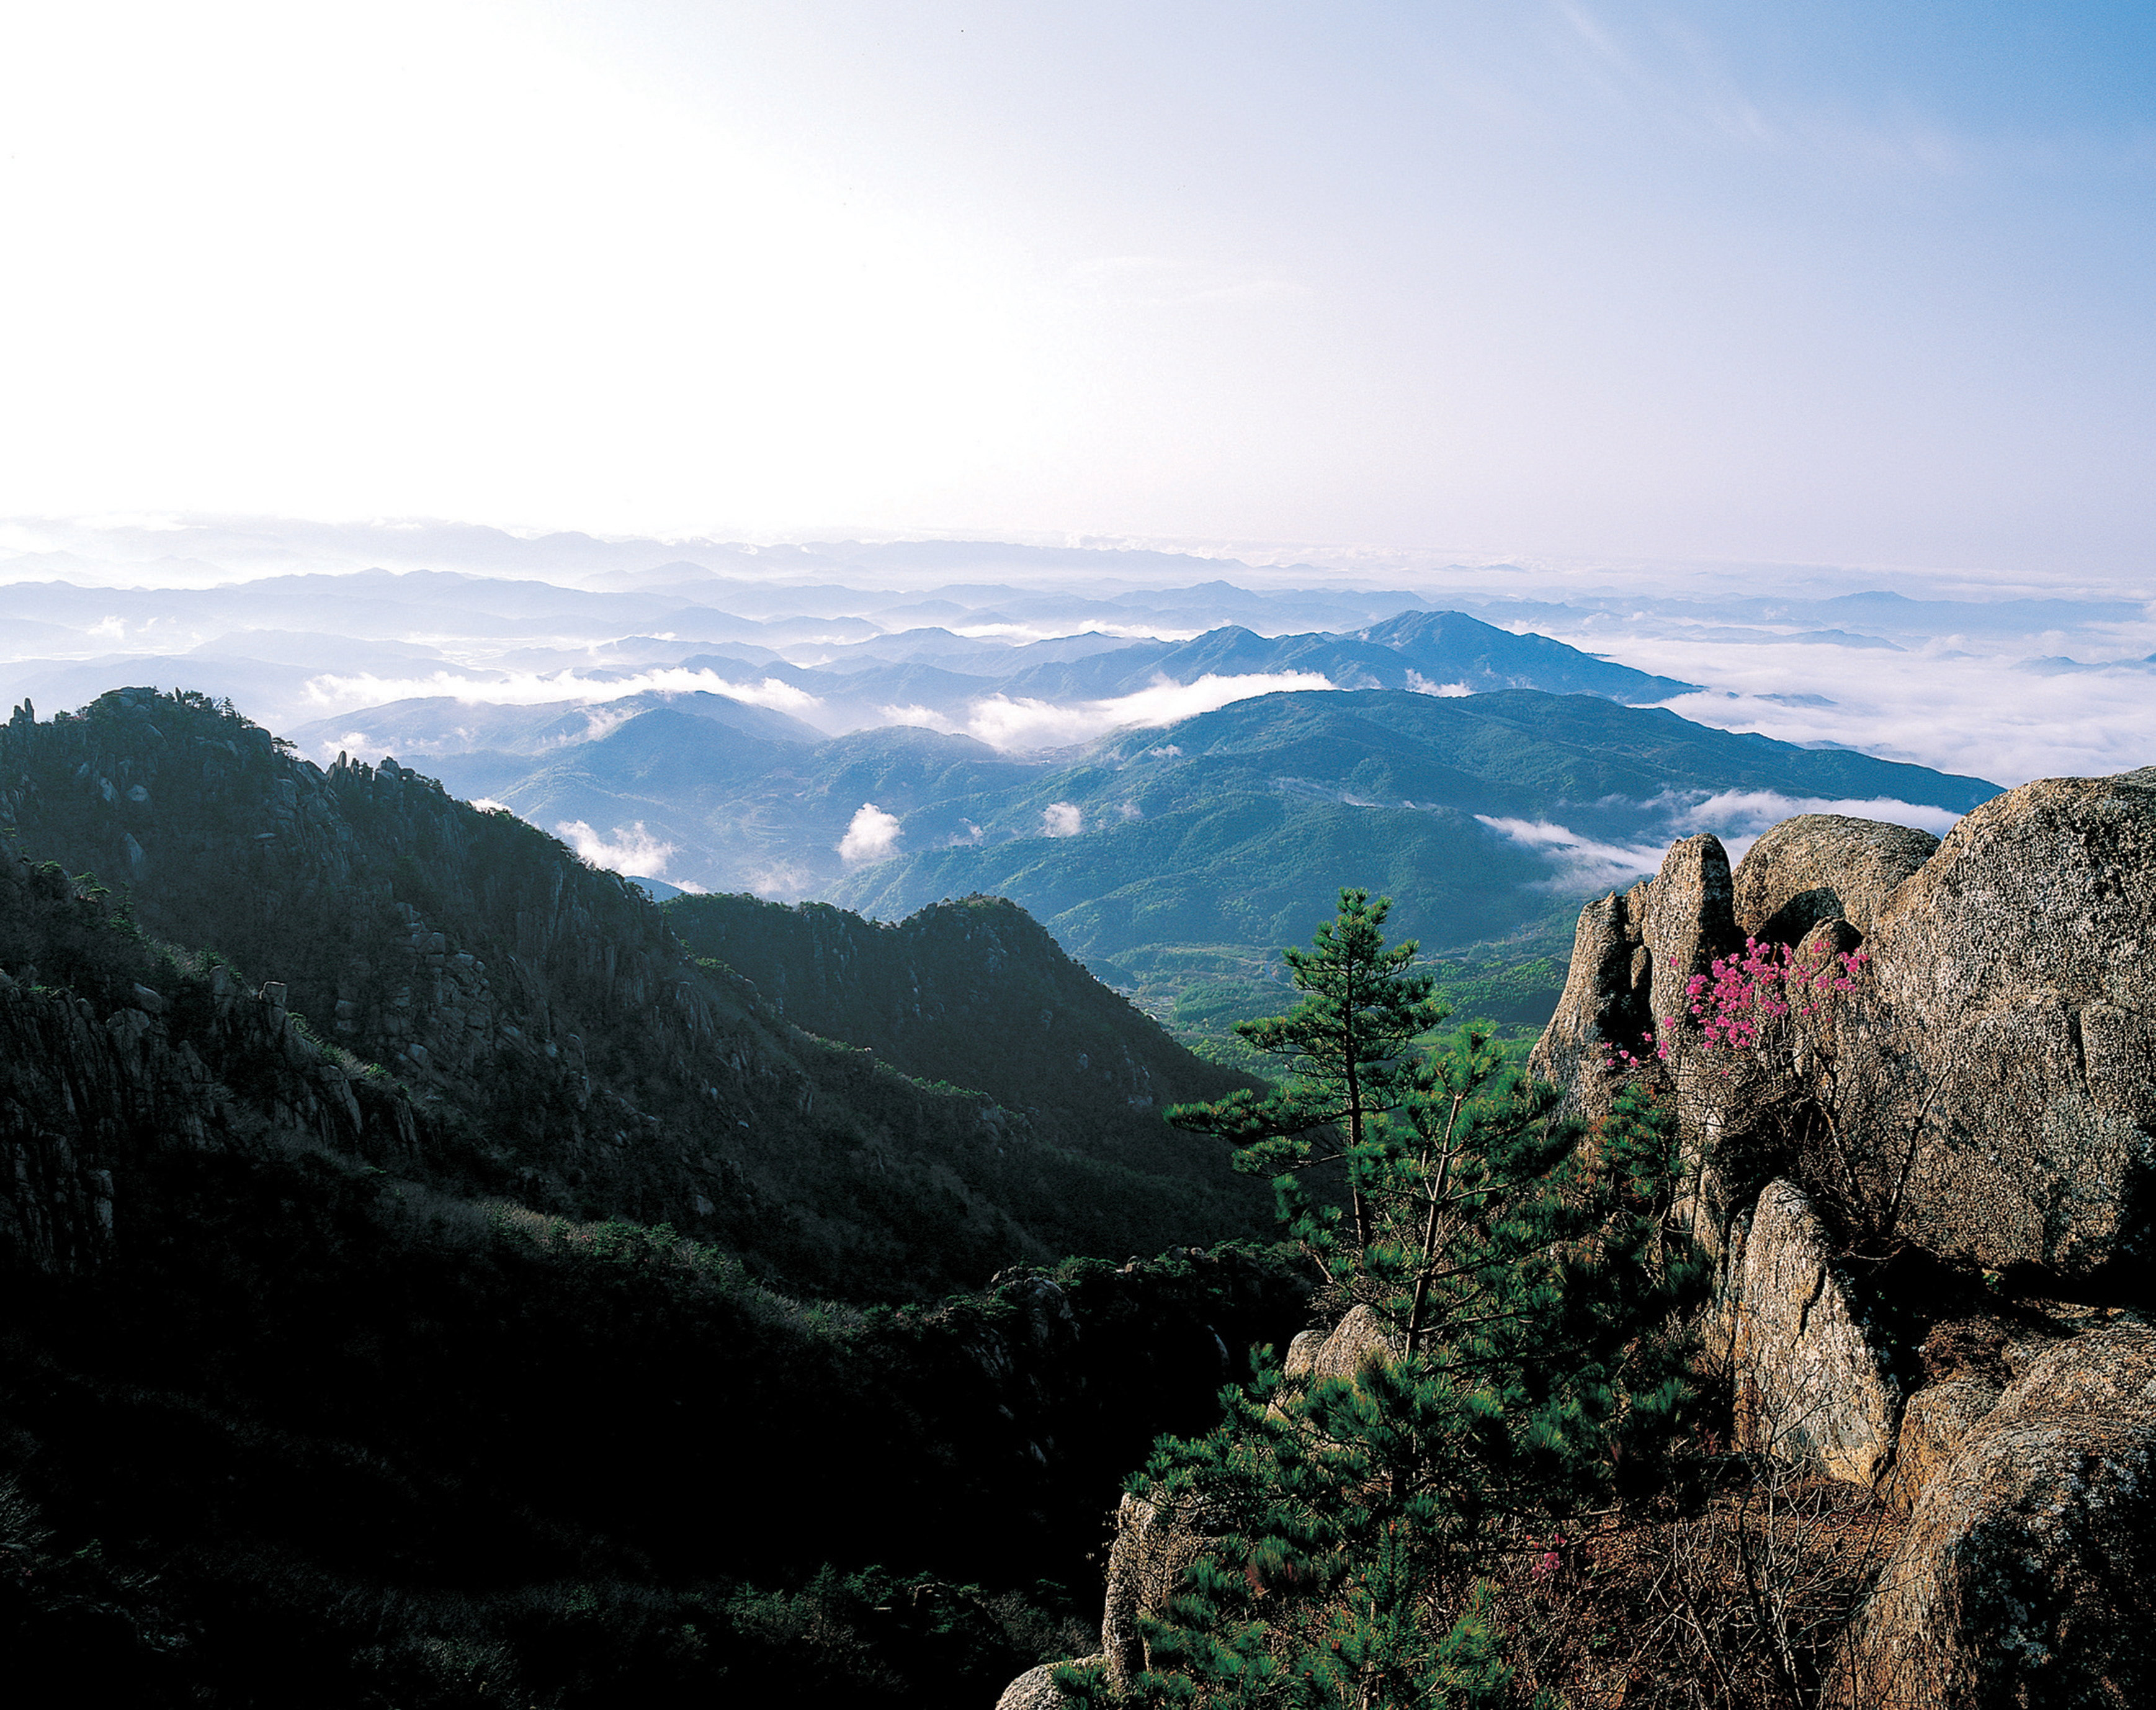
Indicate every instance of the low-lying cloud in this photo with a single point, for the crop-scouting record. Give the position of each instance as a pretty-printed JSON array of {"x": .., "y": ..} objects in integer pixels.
[
  {"x": 1739, "y": 818},
  {"x": 872, "y": 835},
  {"x": 629, "y": 849},
  {"x": 540, "y": 688},
  {"x": 1579, "y": 860},
  {"x": 1022, "y": 723},
  {"x": 1061, "y": 819}
]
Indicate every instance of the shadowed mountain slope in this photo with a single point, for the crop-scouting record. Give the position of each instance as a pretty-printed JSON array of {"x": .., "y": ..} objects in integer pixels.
[
  {"x": 564, "y": 1049},
  {"x": 973, "y": 992}
]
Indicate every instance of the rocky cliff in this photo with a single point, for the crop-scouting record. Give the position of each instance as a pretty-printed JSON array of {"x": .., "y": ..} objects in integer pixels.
[{"x": 1957, "y": 1153}]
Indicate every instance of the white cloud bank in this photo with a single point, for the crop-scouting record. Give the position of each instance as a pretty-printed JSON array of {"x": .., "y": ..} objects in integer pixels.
[
  {"x": 1061, "y": 819},
  {"x": 1580, "y": 859},
  {"x": 871, "y": 836},
  {"x": 1024, "y": 723},
  {"x": 1739, "y": 818},
  {"x": 631, "y": 849},
  {"x": 540, "y": 688}
]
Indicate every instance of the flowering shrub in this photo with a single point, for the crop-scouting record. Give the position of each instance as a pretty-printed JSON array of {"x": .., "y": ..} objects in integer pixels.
[
  {"x": 1743, "y": 993},
  {"x": 1768, "y": 982}
]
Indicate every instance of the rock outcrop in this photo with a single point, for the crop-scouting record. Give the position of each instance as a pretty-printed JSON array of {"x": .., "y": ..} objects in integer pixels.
[
  {"x": 2015, "y": 979},
  {"x": 1633, "y": 954},
  {"x": 1822, "y": 867},
  {"x": 1811, "y": 1389},
  {"x": 1992, "y": 1084},
  {"x": 2027, "y": 1574},
  {"x": 1985, "y": 1095},
  {"x": 1340, "y": 1352}
]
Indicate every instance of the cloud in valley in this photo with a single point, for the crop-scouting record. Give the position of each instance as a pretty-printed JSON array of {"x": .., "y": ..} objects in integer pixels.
[
  {"x": 1061, "y": 819},
  {"x": 1581, "y": 861},
  {"x": 1022, "y": 723},
  {"x": 538, "y": 689},
  {"x": 1740, "y": 816},
  {"x": 629, "y": 849},
  {"x": 871, "y": 836}
]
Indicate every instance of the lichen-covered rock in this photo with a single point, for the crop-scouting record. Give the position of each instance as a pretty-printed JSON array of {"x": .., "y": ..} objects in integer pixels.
[
  {"x": 2027, "y": 1574},
  {"x": 1819, "y": 867},
  {"x": 1811, "y": 1389}
]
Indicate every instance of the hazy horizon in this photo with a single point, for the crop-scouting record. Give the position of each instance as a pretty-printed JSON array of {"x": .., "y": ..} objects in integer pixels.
[{"x": 1845, "y": 285}]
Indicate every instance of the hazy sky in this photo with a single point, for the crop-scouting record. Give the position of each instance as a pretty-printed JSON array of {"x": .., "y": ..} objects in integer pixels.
[{"x": 1832, "y": 283}]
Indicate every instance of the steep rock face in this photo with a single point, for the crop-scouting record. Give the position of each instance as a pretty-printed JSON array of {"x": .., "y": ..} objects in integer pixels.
[
  {"x": 1633, "y": 954},
  {"x": 1153, "y": 1545},
  {"x": 2017, "y": 972},
  {"x": 1811, "y": 1390},
  {"x": 1607, "y": 995},
  {"x": 2028, "y": 1572},
  {"x": 1990, "y": 1085},
  {"x": 1688, "y": 921},
  {"x": 1821, "y": 867}
]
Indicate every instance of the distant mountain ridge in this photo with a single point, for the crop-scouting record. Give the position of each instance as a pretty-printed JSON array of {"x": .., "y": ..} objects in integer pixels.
[{"x": 1237, "y": 826}]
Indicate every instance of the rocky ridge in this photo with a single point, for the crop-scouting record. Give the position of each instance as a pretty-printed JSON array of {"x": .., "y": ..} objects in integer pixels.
[
  {"x": 1929, "y": 1199},
  {"x": 1961, "y": 1149}
]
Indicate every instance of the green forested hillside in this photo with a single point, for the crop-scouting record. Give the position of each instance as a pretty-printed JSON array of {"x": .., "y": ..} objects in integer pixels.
[
  {"x": 428, "y": 1350},
  {"x": 564, "y": 1049},
  {"x": 974, "y": 992},
  {"x": 1235, "y": 827}
]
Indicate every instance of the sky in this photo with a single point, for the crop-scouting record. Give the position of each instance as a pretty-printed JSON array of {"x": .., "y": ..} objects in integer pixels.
[{"x": 1845, "y": 283}]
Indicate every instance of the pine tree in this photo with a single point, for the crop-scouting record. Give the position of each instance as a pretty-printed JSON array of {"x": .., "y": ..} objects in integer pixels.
[
  {"x": 1527, "y": 1282},
  {"x": 1347, "y": 1050}
]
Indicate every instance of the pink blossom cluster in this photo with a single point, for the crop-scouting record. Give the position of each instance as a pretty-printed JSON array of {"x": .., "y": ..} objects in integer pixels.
[
  {"x": 1549, "y": 1561},
  {"x": 1768, "y": 981},
  {"x": 1619, "y": 1060}
]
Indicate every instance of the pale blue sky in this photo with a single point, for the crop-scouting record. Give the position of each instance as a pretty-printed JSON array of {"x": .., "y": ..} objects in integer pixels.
[{"x": 1863, "y": 283}]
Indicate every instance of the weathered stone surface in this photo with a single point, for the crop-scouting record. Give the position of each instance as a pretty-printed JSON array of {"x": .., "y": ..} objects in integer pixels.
[
  {"x": 1606, "y": 995},
  {"x": 1989, "y": 1089},
  {"x": 1354, "y": 1340},
  {"x": 1153, "y": 1545},
  {"x": 1688, "y": 921},
  {"x": 2025, "y": 1575},
  {"x": 1822, "y": 867},
  {"x": 1811, "y": 1390},
  {"x": 1934, "y": 1424},
  {"x": 1302, "y": 1353},
  {"x": 1036, "y": 1690},
  {"x": 2015, "y": 974}
]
